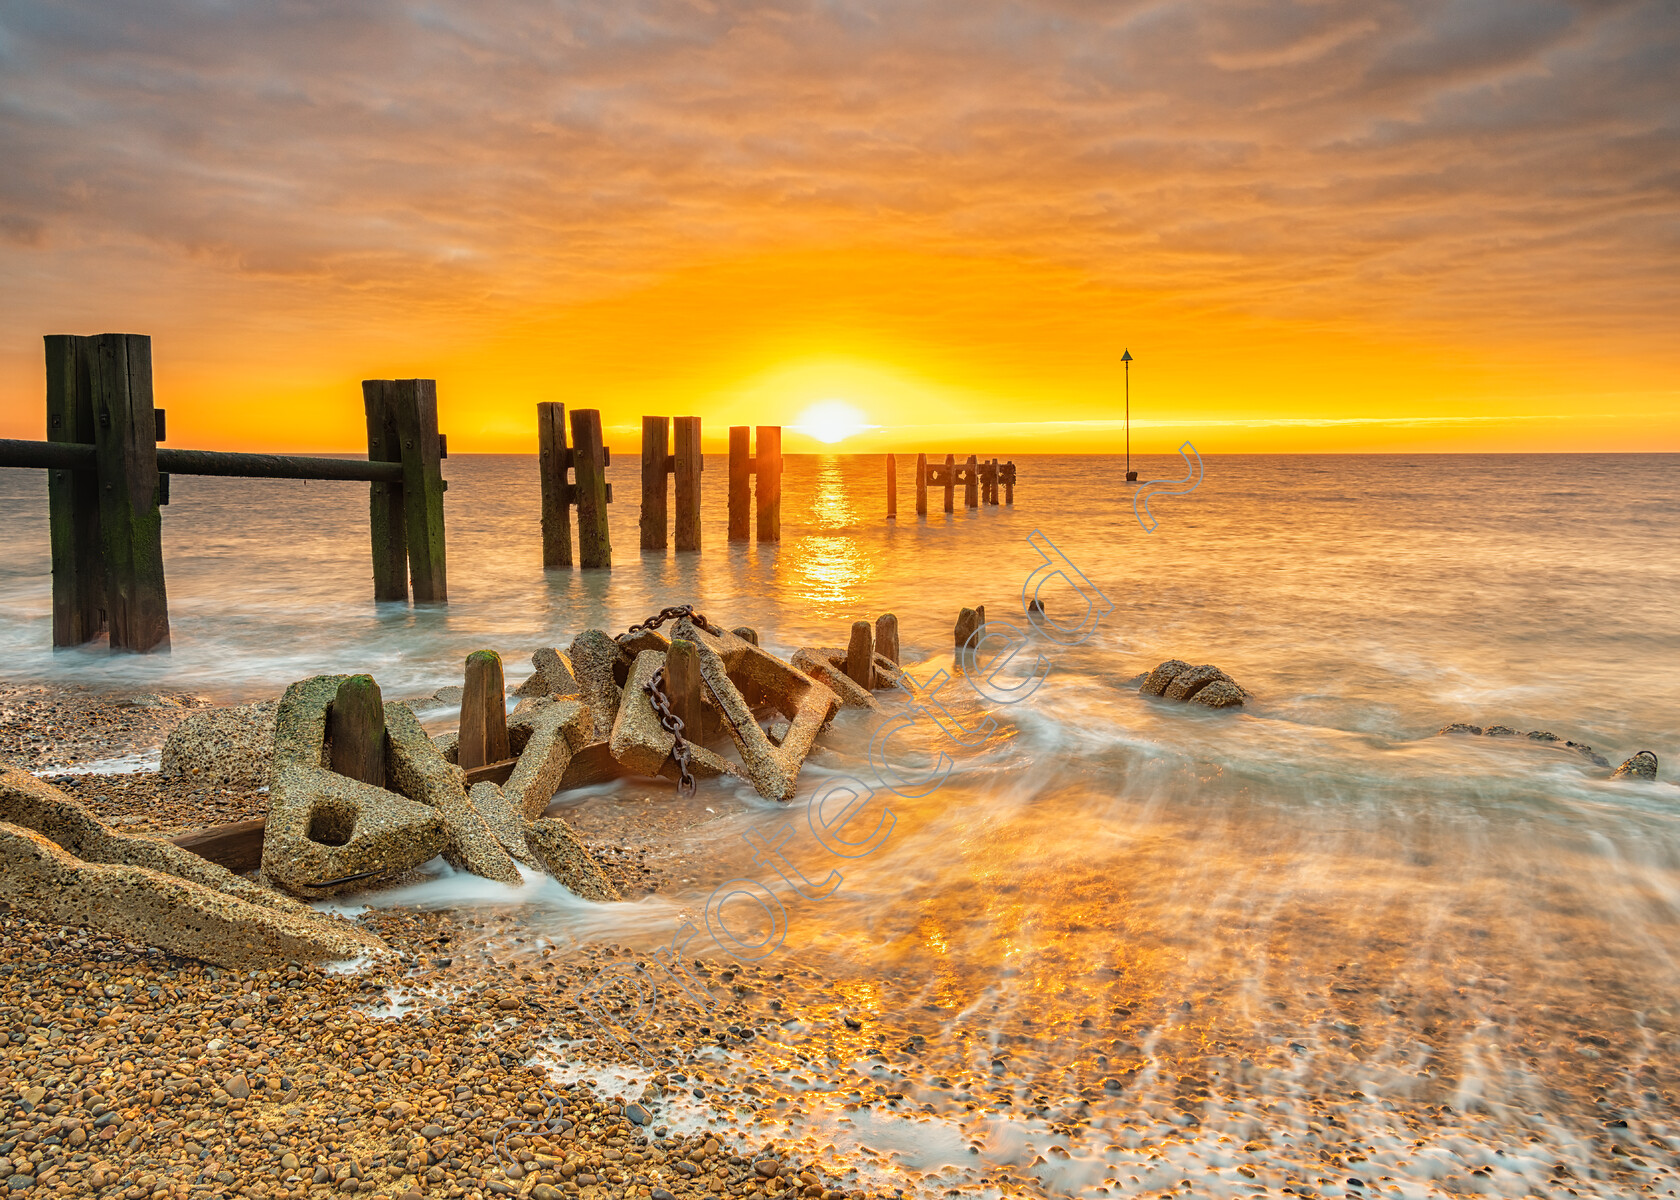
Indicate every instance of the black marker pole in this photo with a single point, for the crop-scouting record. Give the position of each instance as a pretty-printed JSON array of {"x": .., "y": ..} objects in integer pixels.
[{"x": 1131, "y": 475}]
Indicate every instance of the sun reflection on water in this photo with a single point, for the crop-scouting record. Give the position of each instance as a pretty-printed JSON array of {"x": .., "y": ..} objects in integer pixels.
[{"x": 828, "y": 568}]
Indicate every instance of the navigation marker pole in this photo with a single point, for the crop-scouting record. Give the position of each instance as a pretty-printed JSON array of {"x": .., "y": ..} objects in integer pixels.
[{"x": 1131, "y": 475}]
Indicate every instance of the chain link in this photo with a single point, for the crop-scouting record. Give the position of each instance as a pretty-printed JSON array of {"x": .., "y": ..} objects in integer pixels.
[
  {"x": 665, "y": 614},
  {"x": 672, "y": 724}
]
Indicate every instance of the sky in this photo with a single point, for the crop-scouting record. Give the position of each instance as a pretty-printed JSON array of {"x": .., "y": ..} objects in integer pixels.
[{"x": 1409, "y": 226}]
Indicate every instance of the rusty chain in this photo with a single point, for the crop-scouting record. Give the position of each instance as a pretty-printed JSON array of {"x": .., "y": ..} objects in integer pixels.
[
  {"x": 672, "y": 724},
  {"x": 665, "y": 614}
]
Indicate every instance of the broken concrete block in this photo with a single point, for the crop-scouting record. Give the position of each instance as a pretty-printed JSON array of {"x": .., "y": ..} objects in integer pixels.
[
  {"x": 632, "y": 644},
  {"x": 35, "y": 804},
  {"x": 418, "y": 771},
  {"x": 594, "y": 656},
  {"x": 1162, "y": 676},
  {"x": 727, "y": 661},
  {"x": 505, "y": 821},
  {"x": 45, "y": 882},
  {"x": 551, "y": 675},
  {"x": 1187, "y": 683},
  {"x": 1221, "y": 693},
  {"x": 552, "y": 732},
  {"x": 563, "y": 856},
  {"x": 229, "y": 746},
  {"x": 1641, "y": 766},
  {"x": 820, "y": 664},
  {"x": 639, "y": 742},
  {"x": 324, "y": 826},
  {"x": 746, "y": 633}
]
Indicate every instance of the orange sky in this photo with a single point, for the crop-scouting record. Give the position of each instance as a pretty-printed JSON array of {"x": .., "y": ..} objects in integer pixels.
[{"x": 1380, "y": 226}]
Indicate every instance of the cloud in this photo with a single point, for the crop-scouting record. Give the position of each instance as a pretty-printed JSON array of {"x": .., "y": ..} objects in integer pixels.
[{"x": 1509, "y": 163}]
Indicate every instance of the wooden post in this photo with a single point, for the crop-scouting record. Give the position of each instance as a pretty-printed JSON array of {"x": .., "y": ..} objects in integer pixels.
[
  {"x": 767, "y": 465},
  {"x": 860, "y": 655},
  {"x": 553, "y": 459},
  {"x": 130, "y": 526},
  {"x": 78, "y": 571},
  {"x": 414, "y": 408},
  {"x": 892, "y": 488},
  {"x": 886, "y": 636},
  {"x": 386, "y": 520},
  {"x": 688, "y": 466},
  {"x": 589, "y": 467},
  {"x": 656, "y": 455},
  {"x": 971, "y": 485},
  {"x": 921, "y": 485},
  {"x": 356, "y": 730},
  {"x": 740, "y": 483},
  {"x": 682, "y": 686},
  {"x": 484, "y": 731},
  {"x": 950, "y": 482},
  {"x": 1009, "y": 483}
]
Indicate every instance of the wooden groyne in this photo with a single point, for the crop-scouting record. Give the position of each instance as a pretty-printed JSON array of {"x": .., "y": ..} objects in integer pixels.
[
  {"x": 108, "y": 479},
  {"x": 982, "y": 482}
]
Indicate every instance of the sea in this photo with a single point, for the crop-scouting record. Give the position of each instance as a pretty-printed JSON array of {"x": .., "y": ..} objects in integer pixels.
[{"x": 1105, "y": 943}]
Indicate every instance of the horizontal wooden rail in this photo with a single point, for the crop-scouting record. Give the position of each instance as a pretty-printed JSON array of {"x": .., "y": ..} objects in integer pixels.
[{"x": 76, "y": 456}]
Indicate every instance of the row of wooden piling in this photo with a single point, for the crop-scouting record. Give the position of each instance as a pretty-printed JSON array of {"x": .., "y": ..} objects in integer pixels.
[
  {"x": 587, "y": 459},
  {"x": 982, "y": 482}
]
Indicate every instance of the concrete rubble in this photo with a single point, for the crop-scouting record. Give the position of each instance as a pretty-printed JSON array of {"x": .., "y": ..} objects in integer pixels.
[
  {"x": 1206, "y": 685},
  {"x": 1543, "y": 736},
  {"x": 58, "y": 863},
  {"x": 226, "y": 746}
]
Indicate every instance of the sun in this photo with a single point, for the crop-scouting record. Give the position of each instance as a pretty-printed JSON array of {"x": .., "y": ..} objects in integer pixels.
[{"x": 830, "y": 421}]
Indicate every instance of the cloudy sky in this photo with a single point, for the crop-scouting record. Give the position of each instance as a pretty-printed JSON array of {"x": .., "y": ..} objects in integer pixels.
[{"x": 1429, "y": 224}]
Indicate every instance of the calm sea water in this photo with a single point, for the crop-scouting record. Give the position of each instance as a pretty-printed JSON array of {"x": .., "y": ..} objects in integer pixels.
[{"x": 1310, "y": 919}]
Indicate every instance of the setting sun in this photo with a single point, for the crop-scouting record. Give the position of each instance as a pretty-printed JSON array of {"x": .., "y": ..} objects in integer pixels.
[{"x": 831, "y": 421}]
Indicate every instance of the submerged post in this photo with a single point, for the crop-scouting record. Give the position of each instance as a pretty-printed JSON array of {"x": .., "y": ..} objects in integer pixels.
[
  {"x": 768, "y": 467},
  {"x": 589, "y": 466},
  {"x": 78, "y": 570},
  {"x": 656, "y": 434},
  {"x": 130, "y": 526},
  {"x": 687, "y": 466},
  {"x": 921, "y": 485},
  {"x": 740, "y": 483},
  {"x": 950, "y": 482},
  {"x": 422, "y": 461},
  {"x": 552, "y": 460},
  {"x": 892, "y": 488},
  {"x": 386, "y": 521},
  {"x": 1009, "y": 483}
]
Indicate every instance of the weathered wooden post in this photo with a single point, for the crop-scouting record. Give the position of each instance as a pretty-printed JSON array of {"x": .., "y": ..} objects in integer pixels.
[
  {"x": 553, "y": 458},
  {"x": 1009, "y": 483},
  {"x": 407, "y": 518},
  {"x": 687, "y": 466},
  {"x": 992, "y": 484},
  {"x": 78, "y": 570},
  {"x": 590, "y": 470},
  {"x": 356, "y": 730},
  {"x": 767, "y": 465},
  {"x": 682, "y": 686},
  {"x": 971, "y": 484},
  {"x": 740, "y": 483},
  {"x": 656, "y": 432},
  {"x": 921, "y": 485},
  {"x": 483, "y": 729},
  {"x": 860, "y": 655},
  {"x": 130, "y": 526},
  {"x": 892, "y": 488},
  {"x": 950, "y": 482},
  {"x": 886, "y": 636},
  {"x": 386, "y": 520}
]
